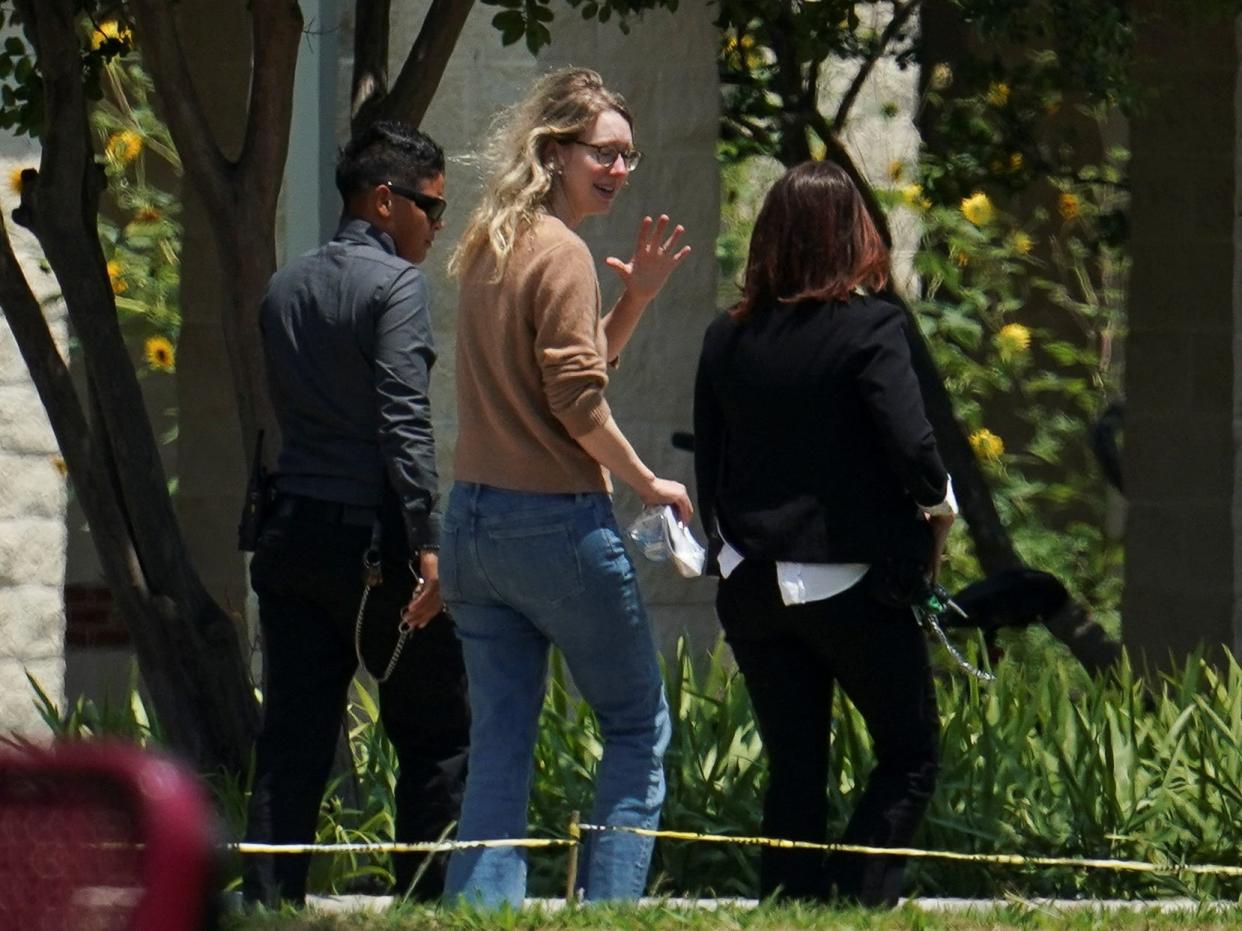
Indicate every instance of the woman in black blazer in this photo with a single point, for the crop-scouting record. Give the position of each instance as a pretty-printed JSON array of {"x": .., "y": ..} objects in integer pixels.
[{"x": 820, "y": 490}]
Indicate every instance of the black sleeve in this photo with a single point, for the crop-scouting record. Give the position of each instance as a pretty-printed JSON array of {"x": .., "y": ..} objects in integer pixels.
[
  {"x": 708, "y": 448},
  {"x": 890, "y": 391},
  {"x": 404, "y": 354}
]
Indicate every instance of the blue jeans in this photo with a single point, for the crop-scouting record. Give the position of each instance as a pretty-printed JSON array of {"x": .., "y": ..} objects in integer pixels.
[{"x": 520, "y": 571}]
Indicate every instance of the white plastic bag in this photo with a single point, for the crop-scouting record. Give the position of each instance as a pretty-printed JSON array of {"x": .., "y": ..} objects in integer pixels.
[{"x": 661, "y": 536}]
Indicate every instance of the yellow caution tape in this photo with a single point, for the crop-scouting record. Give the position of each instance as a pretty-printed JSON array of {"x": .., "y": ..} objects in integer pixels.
[
  {"x": 1004, "y": 859},
  {"x": 1007, "y": 859},
  {"x": 427, "y": 847}
]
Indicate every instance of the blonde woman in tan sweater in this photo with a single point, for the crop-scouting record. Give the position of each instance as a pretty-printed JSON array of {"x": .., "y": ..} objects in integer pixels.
[{"x": 532, "y": 555}]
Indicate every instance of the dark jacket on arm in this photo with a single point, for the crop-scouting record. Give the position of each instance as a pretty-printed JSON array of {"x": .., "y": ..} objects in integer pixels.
[{"x": 811, "y": 440}]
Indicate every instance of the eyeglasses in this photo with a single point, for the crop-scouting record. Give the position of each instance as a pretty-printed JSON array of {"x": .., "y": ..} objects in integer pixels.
[
  {"x": 434, "y": 207},
  {"x": 606, "y": 155}
]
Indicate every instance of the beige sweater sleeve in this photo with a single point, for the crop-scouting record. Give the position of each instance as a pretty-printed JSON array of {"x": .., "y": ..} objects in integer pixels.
[{"x": 564, "y": 304}]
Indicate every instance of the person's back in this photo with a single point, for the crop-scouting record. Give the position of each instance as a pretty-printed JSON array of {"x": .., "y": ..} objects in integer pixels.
[
  {"x": 823, "y": 495},
  {"x": 347, "y": 334},
  {"x": 533, "y": 556},
  {"x": 823, "y": 435},
  {"x": 530, "y": 366},
  {"x": 320, "y": 318}
]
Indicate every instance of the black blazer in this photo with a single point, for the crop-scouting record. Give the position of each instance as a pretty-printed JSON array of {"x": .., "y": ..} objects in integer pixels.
[{"x": 811, "y": 440}]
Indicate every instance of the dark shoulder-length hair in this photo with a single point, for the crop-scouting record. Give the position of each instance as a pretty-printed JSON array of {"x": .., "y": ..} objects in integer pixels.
[{"x": 813, "y": 240}]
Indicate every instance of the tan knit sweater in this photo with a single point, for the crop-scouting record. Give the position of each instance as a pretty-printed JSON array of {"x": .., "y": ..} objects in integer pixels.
[{"x": 531, "y": 366}]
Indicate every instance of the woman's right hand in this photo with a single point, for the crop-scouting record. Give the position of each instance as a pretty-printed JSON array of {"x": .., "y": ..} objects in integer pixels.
[
  {"x": 609, "y": 447},
  {"x": 667, "y": 491}
]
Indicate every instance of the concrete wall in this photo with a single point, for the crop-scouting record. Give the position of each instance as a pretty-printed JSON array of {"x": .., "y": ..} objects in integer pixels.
[
  {"x": 1180, "y": 463},
  {"x": 32, "y": 499}
]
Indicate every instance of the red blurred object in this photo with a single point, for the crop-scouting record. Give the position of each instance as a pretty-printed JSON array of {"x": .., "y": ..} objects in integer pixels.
[{"x": 97, "y": 836}]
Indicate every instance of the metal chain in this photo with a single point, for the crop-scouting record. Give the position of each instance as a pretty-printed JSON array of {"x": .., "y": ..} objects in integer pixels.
[
  {"x": 372, "y": 575},
  {"x": 927, "y": 616}
]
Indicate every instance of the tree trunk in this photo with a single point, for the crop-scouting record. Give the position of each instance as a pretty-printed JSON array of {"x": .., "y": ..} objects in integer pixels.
[
  {"x": 187, "y": 647},
  {"x": 246, "y": 246}
]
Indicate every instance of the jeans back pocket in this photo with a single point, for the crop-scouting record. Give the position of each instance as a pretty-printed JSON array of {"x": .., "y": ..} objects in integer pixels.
[{"x": 536, "y": 564}]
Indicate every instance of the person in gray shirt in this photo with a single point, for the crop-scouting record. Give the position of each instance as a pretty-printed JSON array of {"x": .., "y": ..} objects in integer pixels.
[{"x": 347, "y": 338}]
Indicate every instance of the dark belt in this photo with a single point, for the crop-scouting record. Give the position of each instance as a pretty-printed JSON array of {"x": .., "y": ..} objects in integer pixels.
[{"x": 298, "y": 507}]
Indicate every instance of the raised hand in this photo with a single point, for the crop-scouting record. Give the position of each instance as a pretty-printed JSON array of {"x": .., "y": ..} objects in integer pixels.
[{"x": 653, "y": 261}]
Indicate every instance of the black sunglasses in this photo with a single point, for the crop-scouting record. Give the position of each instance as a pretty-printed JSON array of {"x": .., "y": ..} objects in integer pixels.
[{"x": 434, "y": 207}]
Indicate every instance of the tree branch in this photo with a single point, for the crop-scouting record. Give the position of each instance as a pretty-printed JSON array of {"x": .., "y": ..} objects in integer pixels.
[
  {"x": 901, "y": 14},
  {"x": 70, "y": 241},
  {"x": 370, "y": 80},
  {"x": 86, "y": 459},
  {"x": 836, "y": 151},
  {"x": 187, "y": 646},
  {"x": 793, "y": 116},
  {"x": 49, "y": 373},
  {"x": 179, "y": 102},
  {"x": 992, "y": 544},
  {"x": 277, "y": 30},
  {"x": 420, "y": 75},
  {"x": 750, "y": 130}
]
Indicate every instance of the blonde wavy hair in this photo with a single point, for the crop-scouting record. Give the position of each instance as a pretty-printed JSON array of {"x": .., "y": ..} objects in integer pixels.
[{"x": 560, "y": 107}]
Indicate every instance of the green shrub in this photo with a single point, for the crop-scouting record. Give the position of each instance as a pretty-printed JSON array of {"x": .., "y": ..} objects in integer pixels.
[{"x": 1041, "y": 762}]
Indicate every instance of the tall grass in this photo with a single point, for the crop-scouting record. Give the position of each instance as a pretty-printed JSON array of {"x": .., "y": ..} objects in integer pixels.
[{"x": 1041, "y": 762}]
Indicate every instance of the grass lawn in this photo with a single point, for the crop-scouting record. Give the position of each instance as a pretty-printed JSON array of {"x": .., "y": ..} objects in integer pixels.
[{"x": 658, "y": 917}]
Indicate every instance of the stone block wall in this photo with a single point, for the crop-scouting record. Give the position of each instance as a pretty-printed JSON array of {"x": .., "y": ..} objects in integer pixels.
[{"x": 32, "y": 502}]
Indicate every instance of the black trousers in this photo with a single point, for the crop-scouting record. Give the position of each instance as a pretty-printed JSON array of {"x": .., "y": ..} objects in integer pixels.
[
  {"x": 791, "y": 656},
  {"x": 308, "y": 576}
]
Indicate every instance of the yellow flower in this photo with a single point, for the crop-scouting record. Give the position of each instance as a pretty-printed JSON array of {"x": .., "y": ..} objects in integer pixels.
[
  {"x": 1067, "y": 205},
  {"x": 912, "y": 194},
  {"x": 977, "y": 208},
  {"x": 116, "y": 275},
  {"x": 15, "y": 179},
  {"x": 1016, "y": 161},
  {"x": 60, "y": 466},
  {"x": 160, "y": 354},
  {"x": 123, "y": 146},
  {"x": 997, "y": 94},
  {"x": 109, "y": 29},
  {"x": 741, "y": 51},
  {"x": 941, "y": 76},
  {"x": 1013, "y": 339},
  {"x": 987, "y": 445},
  {"x": 896, "y": 169},
  {"x": 1021, "y": 242}
]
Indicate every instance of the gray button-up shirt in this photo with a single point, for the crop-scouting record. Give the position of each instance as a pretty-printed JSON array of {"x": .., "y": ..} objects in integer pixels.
[{"x": 347, "y": 337}]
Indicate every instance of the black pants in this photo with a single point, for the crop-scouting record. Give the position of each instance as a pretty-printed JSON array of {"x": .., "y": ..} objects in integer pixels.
[
  {"x": 308, "y": 576},
  {"x": 790, "y": 657}
]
